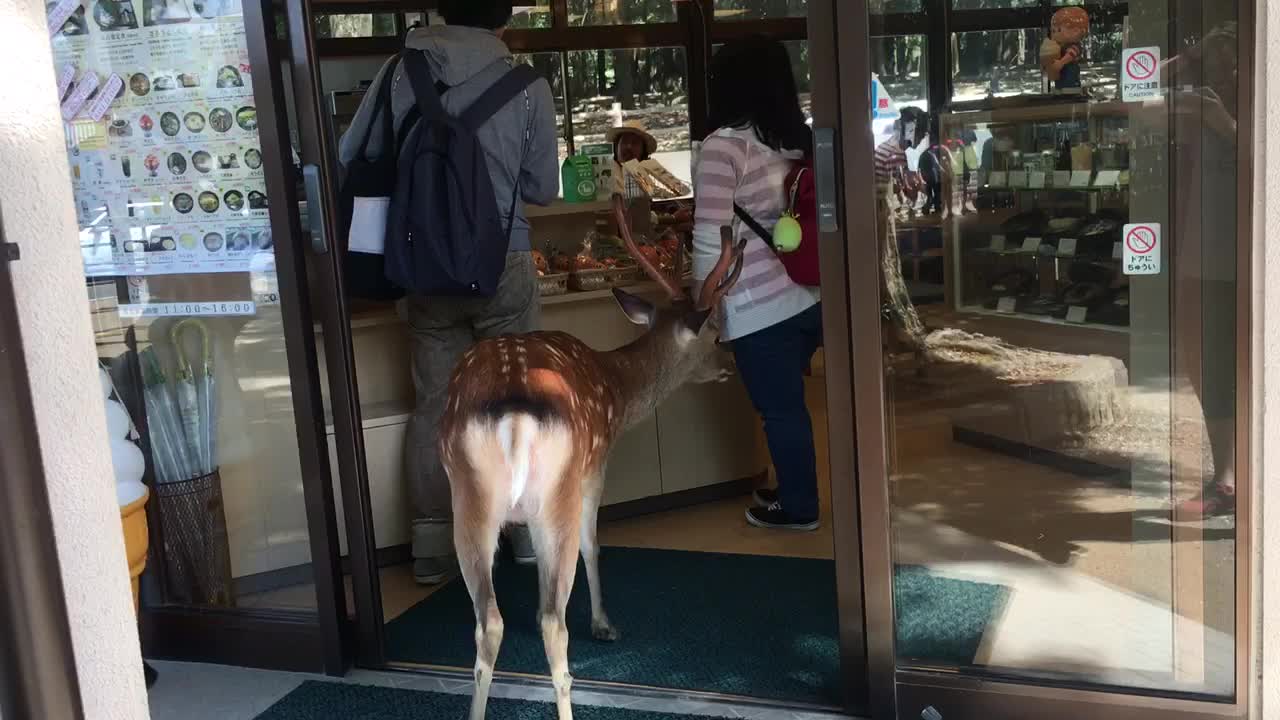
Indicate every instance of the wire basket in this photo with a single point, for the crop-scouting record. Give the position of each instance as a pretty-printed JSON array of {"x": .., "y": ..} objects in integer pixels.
[
  {"x": 553, "y": 284},
  {"x": 195, "y": 555},
  {"x": 604, "y": 279}
]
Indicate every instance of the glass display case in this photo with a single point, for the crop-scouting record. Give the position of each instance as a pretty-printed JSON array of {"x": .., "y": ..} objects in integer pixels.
[{"x": 1036, "y": 210}]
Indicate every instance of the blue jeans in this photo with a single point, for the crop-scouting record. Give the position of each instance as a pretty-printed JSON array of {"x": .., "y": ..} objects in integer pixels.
[{"x": 772, "y": 363}]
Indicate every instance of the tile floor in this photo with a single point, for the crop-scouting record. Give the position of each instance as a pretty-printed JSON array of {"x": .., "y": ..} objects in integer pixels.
[{"x": 188, "y": 691}]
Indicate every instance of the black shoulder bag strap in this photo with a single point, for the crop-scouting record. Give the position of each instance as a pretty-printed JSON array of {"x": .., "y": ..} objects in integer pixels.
[
  {"x": 516, "y": 81},
  {"x": 754, "y": 224}
]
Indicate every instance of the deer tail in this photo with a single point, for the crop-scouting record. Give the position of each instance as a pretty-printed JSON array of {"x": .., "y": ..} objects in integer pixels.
[{"x": 516, "y": 435}]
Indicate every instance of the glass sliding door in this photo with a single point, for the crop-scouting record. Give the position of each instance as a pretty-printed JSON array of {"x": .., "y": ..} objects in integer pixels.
[
  {"x": 183, "y": 184},
  {"x": 1050, "y": 334}
]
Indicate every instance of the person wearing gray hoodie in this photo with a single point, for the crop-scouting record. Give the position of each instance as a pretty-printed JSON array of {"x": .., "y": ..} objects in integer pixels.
[{"x": 467, "y": 55}]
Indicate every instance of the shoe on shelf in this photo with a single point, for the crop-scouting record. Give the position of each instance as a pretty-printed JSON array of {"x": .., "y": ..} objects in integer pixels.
[
  {"x": 775, "y": 518},
  {"x": 764, "y": 497},
  {"x": 522, "y": 545},
  {"x": 432, "y": 571}
]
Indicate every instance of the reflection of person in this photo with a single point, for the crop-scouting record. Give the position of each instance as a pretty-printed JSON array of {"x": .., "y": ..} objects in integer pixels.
[
  {"x": 1212, "y": 67},
  {"x": 467, "y": 55},
  {"x": 773, "y": 324},
  {"x": 909, "y": 130},
  {"x": 631, "y": 142}
]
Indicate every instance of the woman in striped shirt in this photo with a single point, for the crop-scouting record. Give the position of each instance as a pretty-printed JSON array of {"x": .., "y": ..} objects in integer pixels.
[{"x": 773, "y": 324}]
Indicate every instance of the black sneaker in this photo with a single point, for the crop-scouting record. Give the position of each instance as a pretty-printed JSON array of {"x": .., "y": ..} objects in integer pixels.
[
  {"x": 764, "y": 497},
  {"x": 775, "y": 518}
]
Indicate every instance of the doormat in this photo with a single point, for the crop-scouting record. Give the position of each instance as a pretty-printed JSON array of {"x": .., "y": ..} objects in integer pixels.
[
  {"x": 747, "y": 625},
  {"x": 315, "y": 700}
]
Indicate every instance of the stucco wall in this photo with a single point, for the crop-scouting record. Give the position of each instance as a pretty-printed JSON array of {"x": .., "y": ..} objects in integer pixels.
[
  {"x": 1267, "y": 351},
  {"x": 35, "y": 195}
]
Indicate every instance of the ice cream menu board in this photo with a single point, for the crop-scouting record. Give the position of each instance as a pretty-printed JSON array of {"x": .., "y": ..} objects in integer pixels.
[{"x": 162, "y": 135}]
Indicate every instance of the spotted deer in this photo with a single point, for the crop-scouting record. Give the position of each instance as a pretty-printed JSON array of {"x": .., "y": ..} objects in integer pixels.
[{"x": 526, "y": 432}]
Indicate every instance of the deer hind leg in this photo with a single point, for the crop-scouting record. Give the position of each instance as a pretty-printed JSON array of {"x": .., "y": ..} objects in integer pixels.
[
  {"x": 601, "y": 628},
  {"x": 555, "y": 541},
  {"x": 476, "y": 537}
]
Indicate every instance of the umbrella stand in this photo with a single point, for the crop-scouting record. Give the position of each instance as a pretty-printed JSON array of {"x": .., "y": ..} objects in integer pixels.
[{"x": 197, "y": 553}]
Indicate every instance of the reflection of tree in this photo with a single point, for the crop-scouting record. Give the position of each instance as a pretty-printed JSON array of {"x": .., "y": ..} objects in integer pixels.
[
  {"x": 887, "y": 7},
  {"x": 614, "y": 12},
  {"x": 900, "y": 62},
  {"x": 758, "y": 9},
  {"x": 352, "y": 26}
]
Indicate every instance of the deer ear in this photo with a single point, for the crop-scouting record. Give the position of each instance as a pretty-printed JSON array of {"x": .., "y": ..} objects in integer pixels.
[{"x": 637, "y": 309}]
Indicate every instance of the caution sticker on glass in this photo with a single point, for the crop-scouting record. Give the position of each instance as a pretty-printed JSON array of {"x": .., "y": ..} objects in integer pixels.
[
  {"x": 1140, "y": 74},
  {"x": 1141, "y": 249}
]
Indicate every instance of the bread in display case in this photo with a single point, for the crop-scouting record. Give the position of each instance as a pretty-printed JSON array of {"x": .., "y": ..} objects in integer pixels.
[{"x": 1035, "y": 230}]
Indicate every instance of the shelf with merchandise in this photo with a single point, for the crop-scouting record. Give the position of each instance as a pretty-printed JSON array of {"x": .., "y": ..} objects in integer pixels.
[{"x": 1045, "y": 207}]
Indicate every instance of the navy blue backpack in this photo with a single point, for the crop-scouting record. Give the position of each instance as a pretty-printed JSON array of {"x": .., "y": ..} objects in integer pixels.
[{"x": 445, "y": 234}]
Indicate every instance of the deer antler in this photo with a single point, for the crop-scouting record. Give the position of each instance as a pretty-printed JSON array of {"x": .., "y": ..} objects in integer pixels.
[
  {"x": 673, "y": 287},
  {"x": 722, "y": 279}
]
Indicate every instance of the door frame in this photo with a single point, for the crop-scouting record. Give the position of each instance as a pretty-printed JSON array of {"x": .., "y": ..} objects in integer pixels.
[
  {"x": 891, "y": 689},
  {"x": 359, "y": 632},
  {"x": 363, "y": 638},
  {"x": 828, "y": 78},
  {"x": 278, "y": 639}
]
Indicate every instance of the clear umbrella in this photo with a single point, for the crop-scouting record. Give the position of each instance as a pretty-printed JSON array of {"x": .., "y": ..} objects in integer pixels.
[
  {"x": 195, "y": 394},
  {"x": 173, "y": 463}
]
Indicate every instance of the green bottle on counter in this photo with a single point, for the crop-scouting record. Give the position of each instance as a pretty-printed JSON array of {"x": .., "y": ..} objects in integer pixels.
[{"x": 579, "y": 179}]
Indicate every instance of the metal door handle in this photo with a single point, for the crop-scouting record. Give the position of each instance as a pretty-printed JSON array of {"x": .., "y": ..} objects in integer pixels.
[
  {"x": 824, "y": 170},
  {"x": 315, "y": 209}
]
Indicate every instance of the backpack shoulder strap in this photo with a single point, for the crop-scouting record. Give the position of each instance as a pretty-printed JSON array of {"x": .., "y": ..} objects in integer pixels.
[
  {"x": 495, "y": 98},
  {"x": 424, "y": 87}
]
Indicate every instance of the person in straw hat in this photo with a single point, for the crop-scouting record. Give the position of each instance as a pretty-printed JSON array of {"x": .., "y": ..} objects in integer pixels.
[{"x": 631, "y": 141}]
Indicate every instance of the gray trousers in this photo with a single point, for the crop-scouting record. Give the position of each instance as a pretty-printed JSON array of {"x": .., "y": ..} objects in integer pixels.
[{"x": 442, "y": 329}]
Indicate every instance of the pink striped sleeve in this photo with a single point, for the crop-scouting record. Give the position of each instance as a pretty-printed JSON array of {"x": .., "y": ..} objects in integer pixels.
[{"x": 719, "y": 172}]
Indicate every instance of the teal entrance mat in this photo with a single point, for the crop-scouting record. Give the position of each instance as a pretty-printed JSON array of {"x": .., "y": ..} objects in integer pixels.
[
  {"x": 337, "y": 701},
  {"x": 746, "y": 625}
]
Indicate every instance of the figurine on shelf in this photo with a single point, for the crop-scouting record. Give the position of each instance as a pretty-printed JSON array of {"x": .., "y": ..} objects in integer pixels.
[{"x": 1061, "y": 52}]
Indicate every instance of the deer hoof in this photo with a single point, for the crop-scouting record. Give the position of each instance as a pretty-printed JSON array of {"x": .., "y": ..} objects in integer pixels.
[{"x": 604, "y": 632}]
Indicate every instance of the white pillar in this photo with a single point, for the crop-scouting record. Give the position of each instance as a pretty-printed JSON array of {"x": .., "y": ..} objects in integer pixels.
[
  {"x": 38, "y": 213},
  {"x": 1266, "y": 349}
]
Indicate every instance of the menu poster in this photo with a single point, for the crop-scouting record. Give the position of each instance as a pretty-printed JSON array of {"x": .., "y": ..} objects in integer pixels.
[{"x": 165, "y": 157}]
